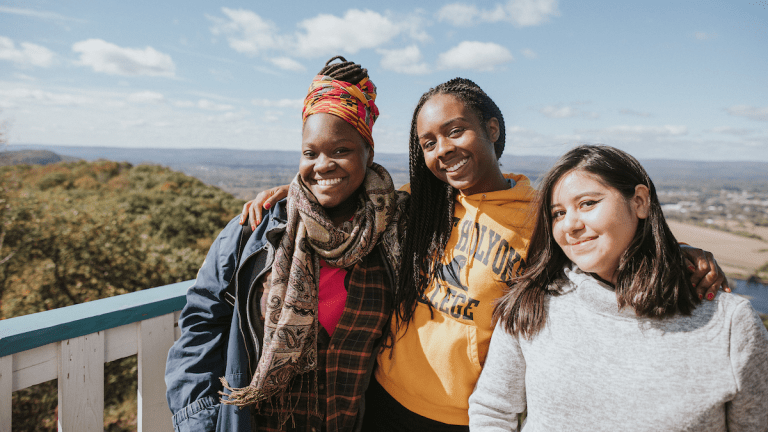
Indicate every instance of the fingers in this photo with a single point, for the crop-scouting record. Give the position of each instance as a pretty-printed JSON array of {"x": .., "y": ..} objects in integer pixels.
[
  {"x": 272, "y": 199},
  {"x": 244, "y": 213},
  {"x": 726, "y": 285},
  {"x": 254, "y": 213},
  {"x": 707, "y": 276},
  {"x": 265, "y": 200},
  {"x": 252, "y": 209},
  {"x": 697, "y": 265}
]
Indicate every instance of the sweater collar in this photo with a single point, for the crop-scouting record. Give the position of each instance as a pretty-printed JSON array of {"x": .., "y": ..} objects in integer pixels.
[{"x": 595, "y": 294}]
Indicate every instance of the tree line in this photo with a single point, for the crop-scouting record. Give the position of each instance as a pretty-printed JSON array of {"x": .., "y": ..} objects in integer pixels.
[{"x": 76, "y": 232}]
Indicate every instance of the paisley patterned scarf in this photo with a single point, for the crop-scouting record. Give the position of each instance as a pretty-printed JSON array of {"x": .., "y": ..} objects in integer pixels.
[{"x": 291, "y": 324}]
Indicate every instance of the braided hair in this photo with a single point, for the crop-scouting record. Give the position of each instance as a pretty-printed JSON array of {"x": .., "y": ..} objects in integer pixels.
[
  {"x": 430, "y": 221},
  {"x": 346, "y": 71}
]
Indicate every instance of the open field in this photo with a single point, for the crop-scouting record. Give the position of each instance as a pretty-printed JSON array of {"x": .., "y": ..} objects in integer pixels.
[{"x": 737, "y": 255}]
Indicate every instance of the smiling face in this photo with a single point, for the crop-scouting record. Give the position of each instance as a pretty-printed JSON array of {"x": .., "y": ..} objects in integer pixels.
[
  {"x": 458, "y": 147},
  {"x": 334, "y": 159},
  {"x": 593, "y": 223}
]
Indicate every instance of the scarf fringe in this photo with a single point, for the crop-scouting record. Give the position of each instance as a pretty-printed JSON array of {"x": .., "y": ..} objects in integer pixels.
[
  {"x": 282, "y": 404},
  {"x": 240, "y": 397}
]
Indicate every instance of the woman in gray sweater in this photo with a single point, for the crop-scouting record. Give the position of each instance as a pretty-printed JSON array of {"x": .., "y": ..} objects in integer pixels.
[{"x": 604, "y": 332}]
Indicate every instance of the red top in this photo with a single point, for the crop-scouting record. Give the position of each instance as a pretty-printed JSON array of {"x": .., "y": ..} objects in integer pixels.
[{"x": 332, "y": 296}]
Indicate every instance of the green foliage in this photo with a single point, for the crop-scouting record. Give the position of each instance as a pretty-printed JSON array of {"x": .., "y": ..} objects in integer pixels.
[{"x": 75, "y": 232}]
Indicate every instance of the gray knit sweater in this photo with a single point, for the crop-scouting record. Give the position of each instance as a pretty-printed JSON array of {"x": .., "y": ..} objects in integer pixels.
[{"x": 596, "y": 368}]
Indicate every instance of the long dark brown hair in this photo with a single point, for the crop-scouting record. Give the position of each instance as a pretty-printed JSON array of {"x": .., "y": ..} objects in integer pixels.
[
  {"x": 652, "y": 277},
  {"x": 430, "y": 215}
]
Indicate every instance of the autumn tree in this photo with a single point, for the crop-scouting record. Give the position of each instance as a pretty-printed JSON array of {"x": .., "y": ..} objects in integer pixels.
[{"x": 76, "y": 232}]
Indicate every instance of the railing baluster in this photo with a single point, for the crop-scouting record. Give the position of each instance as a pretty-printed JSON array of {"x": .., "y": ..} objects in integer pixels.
[
  {"x": 81, "y": 383},
  {"x": 72, "y": 343},
  {"x": 155, "y": 339},
  {"x": 6, "y": 391}
]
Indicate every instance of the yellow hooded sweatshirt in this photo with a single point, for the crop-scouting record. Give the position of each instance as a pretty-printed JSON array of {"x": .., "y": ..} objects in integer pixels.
[{"x": 434, "y": 365}]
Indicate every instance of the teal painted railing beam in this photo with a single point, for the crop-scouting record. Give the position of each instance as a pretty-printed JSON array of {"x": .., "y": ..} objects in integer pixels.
[{"x": 35, "y": 330}]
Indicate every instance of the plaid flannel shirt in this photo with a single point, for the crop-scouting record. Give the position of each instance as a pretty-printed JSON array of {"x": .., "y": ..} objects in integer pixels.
[{"x": 344, "y": 358}]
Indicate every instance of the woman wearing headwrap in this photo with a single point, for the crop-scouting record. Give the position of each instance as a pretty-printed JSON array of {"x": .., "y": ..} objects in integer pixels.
[{"x": 312, "y": 289}]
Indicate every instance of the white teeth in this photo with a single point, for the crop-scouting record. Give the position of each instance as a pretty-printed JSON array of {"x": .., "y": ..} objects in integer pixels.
[
  {"x": 329, "y": 182},
  {"x": 457, "y": 166}
]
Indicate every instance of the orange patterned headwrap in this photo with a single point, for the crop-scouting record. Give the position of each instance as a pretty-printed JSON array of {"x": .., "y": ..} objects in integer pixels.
[{"x": 355, "y": 103}]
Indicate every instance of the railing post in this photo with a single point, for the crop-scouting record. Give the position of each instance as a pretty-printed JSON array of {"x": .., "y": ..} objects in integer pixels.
[
  {"x": 81, "y": 383},
  {"x": 155, "y": 339},
  {"x": 6, "y": 392}
]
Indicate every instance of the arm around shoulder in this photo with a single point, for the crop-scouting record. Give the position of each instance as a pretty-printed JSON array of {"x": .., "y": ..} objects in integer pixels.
[
  {"x": 748, "y": 411},
  {"x": 499, "y": 395}
]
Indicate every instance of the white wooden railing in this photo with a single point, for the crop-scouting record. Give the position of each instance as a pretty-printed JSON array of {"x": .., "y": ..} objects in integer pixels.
[{"x": 73, "y": 343}]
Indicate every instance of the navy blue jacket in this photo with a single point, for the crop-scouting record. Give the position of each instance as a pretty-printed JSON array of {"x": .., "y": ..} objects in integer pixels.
[
  {"x": 212, "y": 344},
  {"x": 217, "y": 339}
]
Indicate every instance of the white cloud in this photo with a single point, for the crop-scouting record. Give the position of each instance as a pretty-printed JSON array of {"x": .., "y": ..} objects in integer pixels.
[
  {"x": 413, "y": 23},
  {"x": 25, "y": 96},
  {"x": 521, "y": 13},
  {"x": 750, "y": 112},
  {"x": 458, "y": 14},
  {"x": 727, "y": 130},
  {"x": 526, "y": 13},
  {"x": 221, "y": 75},
  {"x": 213, "y": 106},
  {"x": 28, "y": 54},
  {"x": 324, "y": 34},
  {"x": 184, "y": 104},
  {"x": 229, "y": 117},
  {"x": 407, "y": 60},
  {"x": 561, "y": 111},
  {"x": 482, "y": 56},
  {"x": 631, "y": 112},
  {"x": 246, "y": 31},
  {"x": 145, "y": 97},
  {"x": 529, "y": 53},
  {"x": 203, "y": 104},
  {"x": 558, "y": 111},
  {"x": 109, "y": 58},
  {"x": 287, "y": 63},
  {"x": 39, "y": 14},
  {"x": 640, "y": 131},
  {"x": 133, "y": 123},
  {"x": 24, "y": 77},
  {"x": 329, "y": 34},
  {"x": 704, "y": 36},
  {"x": 280, "y": 103}
]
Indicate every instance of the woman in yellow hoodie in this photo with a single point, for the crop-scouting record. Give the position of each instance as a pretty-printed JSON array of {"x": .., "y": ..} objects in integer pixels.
[{"x": 468, "y": 232}]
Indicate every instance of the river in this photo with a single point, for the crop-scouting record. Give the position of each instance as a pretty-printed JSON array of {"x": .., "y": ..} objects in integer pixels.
[{"x": 757, "y": 293}]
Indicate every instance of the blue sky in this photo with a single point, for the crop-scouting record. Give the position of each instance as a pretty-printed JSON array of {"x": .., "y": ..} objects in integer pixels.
[{"x": 673, "y": 79}]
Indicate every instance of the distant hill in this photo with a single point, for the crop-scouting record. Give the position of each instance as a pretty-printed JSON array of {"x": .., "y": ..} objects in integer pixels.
[
  {"x": 242, "y": 172},
  {"x": 32, "y": 157}
]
